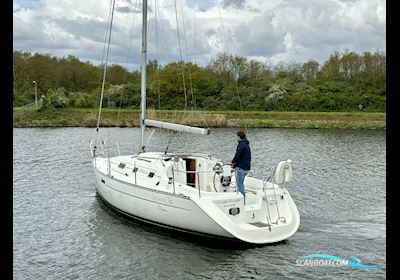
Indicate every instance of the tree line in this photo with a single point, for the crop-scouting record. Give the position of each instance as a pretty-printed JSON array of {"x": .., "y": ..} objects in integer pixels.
[{"x": 346, "y": 81}]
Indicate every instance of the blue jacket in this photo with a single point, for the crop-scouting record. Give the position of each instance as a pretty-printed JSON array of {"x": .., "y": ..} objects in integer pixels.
[{"x": 242, "y": 157}]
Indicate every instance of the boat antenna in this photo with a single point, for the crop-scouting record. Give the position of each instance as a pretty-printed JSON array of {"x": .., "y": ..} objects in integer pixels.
[{"x": 143, "y": 77}]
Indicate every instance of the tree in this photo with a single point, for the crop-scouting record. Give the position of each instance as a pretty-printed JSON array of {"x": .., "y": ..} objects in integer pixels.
[{"x": 309, "y": 70}]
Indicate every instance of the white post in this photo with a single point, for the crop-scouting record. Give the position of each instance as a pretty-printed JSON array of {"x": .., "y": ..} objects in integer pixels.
[
  {"x": 36, "y": 100},
  {"x": 143, "y": 76},
  {"x": 173, "y": 178},
  {"x": 198, "y": 183},
  {"x": 134, "y": 167},
  {"x": 118, "y": 148}
]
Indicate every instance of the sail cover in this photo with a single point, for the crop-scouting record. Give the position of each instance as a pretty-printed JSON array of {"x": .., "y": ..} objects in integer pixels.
[{"x": 177, "y": 127}]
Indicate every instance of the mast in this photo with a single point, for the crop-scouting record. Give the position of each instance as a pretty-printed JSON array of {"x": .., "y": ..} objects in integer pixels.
[
  {"x": 143, "y": 76},
  {"x": 153, "y": 123}
]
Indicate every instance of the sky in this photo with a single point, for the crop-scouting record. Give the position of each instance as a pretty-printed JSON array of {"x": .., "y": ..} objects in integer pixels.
[{"x": 267, "y": 31}]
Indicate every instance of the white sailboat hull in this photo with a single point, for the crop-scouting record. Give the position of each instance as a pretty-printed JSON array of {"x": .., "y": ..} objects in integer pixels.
[
  {"x": 156, "y": 200},
  {"x": 163, "y": 209}
]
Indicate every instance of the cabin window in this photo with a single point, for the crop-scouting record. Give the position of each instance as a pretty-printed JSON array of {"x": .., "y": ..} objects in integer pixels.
[
  {"x": 122, "y": 165},
  {"x": 151, "y": 174},
  {"x": 135, "y": 170}
]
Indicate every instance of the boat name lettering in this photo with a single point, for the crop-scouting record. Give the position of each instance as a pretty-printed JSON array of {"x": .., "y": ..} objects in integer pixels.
[
  {"x": 227, "y": 202},
  {"x": 164, "y": 200}
]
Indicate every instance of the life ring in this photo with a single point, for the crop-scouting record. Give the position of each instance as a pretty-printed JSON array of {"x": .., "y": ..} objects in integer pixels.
[{"x": 283, "y": 172}]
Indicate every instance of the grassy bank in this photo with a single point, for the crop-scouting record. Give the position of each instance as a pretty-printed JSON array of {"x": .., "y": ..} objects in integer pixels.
[{"x": 130, "y": 118}]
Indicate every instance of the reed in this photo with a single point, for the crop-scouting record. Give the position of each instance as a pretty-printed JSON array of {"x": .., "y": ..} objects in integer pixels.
[{"x": 128, "y": 118}]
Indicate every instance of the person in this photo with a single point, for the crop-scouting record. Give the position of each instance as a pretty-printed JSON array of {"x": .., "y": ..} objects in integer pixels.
[{"x": 242, "y": 160}]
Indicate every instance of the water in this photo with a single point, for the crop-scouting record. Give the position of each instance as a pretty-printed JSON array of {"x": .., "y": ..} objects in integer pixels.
[{"x": 63, "y": 231}]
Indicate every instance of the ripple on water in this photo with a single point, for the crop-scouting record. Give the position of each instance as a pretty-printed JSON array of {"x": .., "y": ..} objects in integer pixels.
[{"x": 62, "y": 230}]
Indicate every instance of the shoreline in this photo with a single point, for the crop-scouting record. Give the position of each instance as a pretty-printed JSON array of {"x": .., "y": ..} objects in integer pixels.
[{"x": 81, "y": 117}]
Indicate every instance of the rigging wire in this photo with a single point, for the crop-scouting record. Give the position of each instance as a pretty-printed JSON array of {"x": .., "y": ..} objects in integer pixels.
[
  {"x": 202, "y": 115},
  {"x": 104, "y": 77},
  {"x": 236, "y": 80},
  {"x": 102, "y": 58},
  {"x": 223, "y": 28},
  {"x": 157, "y": 58},
  {"x": 163, "y": 33},
  {"x": 172, "y": 133},
  {"x": 180, "y": 53},
  {"x": 149, "y": 30},
  {"x": 159, "y": 18},
  {"x": 105, "y": 66},
  {"x": 127, "y": 57},
  {"x": 187, "y": 53},
  {"x": 194, "y": 31}
]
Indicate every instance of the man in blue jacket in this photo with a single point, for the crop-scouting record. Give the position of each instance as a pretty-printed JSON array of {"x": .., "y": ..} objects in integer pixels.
[{"x": 242, "y": 160}]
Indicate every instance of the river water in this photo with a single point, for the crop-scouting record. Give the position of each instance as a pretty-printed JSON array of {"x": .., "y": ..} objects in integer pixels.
[{"x": 63, "y": 231}]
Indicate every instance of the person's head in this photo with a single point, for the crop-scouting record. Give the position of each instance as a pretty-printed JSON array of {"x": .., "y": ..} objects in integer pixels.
[{"x": 240, "y": 135}]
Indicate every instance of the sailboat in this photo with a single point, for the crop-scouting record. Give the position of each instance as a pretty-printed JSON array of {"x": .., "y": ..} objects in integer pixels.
[{"x": 194, "y": 192}]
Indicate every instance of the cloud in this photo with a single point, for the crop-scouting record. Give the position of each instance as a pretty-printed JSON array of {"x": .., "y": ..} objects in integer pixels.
[
  {"x": 260, "y": 37},
  {"x": 300, "y": 30},
  {"x": 234, "y": 3},
  {"x": 269, "y": 31}
]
